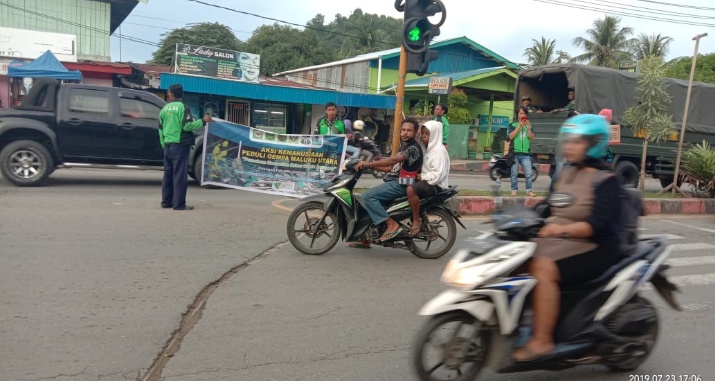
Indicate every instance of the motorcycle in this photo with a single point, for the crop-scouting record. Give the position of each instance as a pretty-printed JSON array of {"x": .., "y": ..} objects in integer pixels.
[
  {"x": 605, "y": 321},
  {"x": 368, "y": 145},
  {"x": 499, "y": 170},
  {"x": 316, "y": 225}
]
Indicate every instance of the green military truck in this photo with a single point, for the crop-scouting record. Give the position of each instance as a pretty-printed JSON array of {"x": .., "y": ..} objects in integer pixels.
[{"x": 597, "y": 88}]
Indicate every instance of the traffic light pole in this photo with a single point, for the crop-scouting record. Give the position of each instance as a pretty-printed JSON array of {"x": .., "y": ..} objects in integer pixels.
[{"x": 400, "y": 103}]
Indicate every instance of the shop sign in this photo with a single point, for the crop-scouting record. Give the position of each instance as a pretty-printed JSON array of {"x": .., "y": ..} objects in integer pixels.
[
  {"x": 440, "y": 85},
  {"x": 218, "y": 63},
  {"x": 30, "y": 44}
]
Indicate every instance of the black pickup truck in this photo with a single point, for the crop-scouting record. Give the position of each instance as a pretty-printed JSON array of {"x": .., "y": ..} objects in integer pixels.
[{"x": 72, "y": 125}]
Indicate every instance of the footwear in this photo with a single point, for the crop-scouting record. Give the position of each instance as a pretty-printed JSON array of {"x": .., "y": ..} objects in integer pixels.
[
  {"x": 166, "y": 206},
  {"x": 359, "y": 245},
  {"x": 529, "y": 355},
  {"x": 388, "y": 236},
  {"x": 187, "y": 207},
  {"x": 513, "y": 193},
  {"x": 530, "y": 194}
]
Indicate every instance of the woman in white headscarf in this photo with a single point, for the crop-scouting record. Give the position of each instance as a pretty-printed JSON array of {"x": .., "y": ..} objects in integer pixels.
[{"x": 433, "y": 178}]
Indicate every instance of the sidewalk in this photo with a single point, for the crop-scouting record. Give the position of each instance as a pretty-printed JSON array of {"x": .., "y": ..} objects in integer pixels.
[{"x": 483, "y": 166}]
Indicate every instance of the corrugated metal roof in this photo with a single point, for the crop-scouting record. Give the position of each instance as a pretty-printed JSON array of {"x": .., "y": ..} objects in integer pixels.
[{"x": 268, "y": 92}]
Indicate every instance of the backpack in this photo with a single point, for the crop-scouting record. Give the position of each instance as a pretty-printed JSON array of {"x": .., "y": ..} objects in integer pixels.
[{"x": 632, "y": 208}]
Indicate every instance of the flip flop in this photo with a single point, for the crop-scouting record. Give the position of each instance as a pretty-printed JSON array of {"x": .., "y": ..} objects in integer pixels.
[
  {"x": 359, "y": 245},
  {"x": 388, "y": 236},
  {"x": 531, "y": 355}
]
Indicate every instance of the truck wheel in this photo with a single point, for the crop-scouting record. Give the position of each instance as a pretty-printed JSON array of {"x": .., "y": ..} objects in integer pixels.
[
  {"x": 628, "y": 172},
  {"x": 26, "y": 163},
  {"x": 666, "y": 180}
]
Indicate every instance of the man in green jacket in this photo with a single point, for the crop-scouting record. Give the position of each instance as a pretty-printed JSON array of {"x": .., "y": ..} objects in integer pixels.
[
  {"x": 330, "y": 124},
  {"x": 439, "y": 115},
  {"x": 175, "y": 136}
]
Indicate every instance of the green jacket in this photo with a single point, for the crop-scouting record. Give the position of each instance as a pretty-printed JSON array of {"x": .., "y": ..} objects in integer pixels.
[
  {"x": 521, "y": 143},
  {"x": 176, "y": 124},
  {"x": 445, "y": 127},
  {"x": 324, "y": 127}
]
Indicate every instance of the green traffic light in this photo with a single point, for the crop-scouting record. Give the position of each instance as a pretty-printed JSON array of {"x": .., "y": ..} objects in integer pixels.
[{"x": 414, "y": 34}]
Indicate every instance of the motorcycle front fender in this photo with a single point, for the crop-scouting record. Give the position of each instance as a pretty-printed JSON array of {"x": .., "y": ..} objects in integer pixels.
[
  {"x": 453, "y": 300},
  {"x": 321, "y": 198}
]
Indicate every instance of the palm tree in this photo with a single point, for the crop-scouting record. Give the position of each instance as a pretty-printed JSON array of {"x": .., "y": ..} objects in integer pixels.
[
  {"x": 541, "y": 52},
  {"x": 606, "y": 43},
  {"x": 655, "y": 45}
]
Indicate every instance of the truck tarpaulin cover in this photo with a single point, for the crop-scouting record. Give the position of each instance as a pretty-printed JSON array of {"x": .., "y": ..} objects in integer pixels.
[{"x": 598, "y": 88}]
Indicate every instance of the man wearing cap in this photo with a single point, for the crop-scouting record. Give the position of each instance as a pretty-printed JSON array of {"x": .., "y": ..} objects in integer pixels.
[{"x": 526, "y": 101}]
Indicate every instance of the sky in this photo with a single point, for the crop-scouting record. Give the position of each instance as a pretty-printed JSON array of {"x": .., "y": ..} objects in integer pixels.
[{"x": 505, "y": 27}]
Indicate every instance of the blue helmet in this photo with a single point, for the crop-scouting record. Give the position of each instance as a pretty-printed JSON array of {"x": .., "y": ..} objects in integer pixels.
[{"x": 594, "y": 128}]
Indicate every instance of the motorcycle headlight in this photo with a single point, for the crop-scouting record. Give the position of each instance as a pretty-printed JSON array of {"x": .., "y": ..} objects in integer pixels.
[{"x": 462, "y": 277}]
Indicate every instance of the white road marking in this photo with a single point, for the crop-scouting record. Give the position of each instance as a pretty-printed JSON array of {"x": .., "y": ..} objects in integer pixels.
[
  {"x": 687, "y": 281},
  {"x": 691, "y": 246},
  {"x": 691, "y": 261},
  {"x": 669, "y": 236},
  {"x": 690, "y": 226}
]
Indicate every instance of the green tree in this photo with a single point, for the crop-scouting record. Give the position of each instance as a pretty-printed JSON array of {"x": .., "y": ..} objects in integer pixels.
[
  {"x": 650, "y": 118},
  {"x": 458, "y": 112},
  {"x": 704, "y": 68},
  {"x": 606, "y": 43},
  {"x": 651, "y": 45},
  {"x": 367, "y": 33},
  {"x": 541, "y": 52},
  {"x": 207, "y": 34},
  {"x": 282, "y": 48}
]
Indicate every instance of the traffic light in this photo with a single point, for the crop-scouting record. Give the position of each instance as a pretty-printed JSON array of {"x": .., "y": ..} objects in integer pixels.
[{"x": 418, "y": 31}]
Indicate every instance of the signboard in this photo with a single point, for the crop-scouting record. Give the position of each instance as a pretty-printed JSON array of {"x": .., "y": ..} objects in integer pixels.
[
  {"x": 615, "y": 135},
  {"x": 628, "y": 66},
  {"x": 498, "y": 121},
  {"x": 241, "y": 157},
  {"x": 218, "y": 63},
  {"x": 30, "y": 44},
  {"x": 440, "y": 85}
]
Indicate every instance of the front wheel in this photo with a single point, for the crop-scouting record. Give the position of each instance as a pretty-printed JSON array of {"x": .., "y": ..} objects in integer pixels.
[
  {"x": 312, "y": 230},
  {"x": 642, "y": 345},
  {"x": 437, "y": 235},
  {"x": 451, "y": 346},
  {"x": 26, "y": 163}
]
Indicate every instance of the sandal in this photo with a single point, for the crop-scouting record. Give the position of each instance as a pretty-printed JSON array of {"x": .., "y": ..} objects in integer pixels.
[
  {"x": 359, "y": 245},
  {"x": 391, "y": 235},
  {"x": 530, "y": 355}
]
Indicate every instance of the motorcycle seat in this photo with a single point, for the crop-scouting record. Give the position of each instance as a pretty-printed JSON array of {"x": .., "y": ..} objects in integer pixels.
[
  {"x": 645, "y": 248},
  {"x": 451, "y": 188}
]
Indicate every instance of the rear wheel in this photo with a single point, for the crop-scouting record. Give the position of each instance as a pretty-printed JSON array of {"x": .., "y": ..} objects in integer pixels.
[
  {"x": 436, "y": 237},
  {"x": 308, "y": 234},
  {"x": 26, "y": 163},
  {"x": 642, "y": 345},
  {"x": 535, "y": 172},
  {"x": 494, "y": 173},
  {"x": 667, "y": 180},
  {"x": 451, "y": 346}
]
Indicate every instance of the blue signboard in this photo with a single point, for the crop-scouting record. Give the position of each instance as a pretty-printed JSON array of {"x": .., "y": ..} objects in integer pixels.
[{"x": 498, "y": 121}]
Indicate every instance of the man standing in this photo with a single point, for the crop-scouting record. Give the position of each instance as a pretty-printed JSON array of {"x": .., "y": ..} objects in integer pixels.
[
  {"x": 439, "y": 115},
  {"x": 520, "y": 137},
  {"x": 175, "y": 136},
  {"x": 330, "y": 124},
  {"x": 403, "y": 166}
]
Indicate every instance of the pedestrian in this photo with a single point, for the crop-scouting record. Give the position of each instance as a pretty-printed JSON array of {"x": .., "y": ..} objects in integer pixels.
[
  {"x": 176, "y": 138},
  {"x": 520, "y": 137},
  {"x": 439, "y": 115},
  {"x": 330, "y": 124}
]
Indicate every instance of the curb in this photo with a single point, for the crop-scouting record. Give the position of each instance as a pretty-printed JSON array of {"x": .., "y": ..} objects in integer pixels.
[
  {"x": 483, "y": 166},
  {"x": 483, "y": 205}
]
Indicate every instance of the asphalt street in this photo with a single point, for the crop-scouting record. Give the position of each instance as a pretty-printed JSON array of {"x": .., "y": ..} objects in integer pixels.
[{"x": 96, "y": 278}]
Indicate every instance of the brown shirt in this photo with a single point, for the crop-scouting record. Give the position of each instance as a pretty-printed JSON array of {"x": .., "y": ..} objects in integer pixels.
[{"x": 579, "y": 184}]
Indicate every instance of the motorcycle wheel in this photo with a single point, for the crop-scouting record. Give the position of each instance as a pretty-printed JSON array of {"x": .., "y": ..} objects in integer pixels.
[
  {"x": 439, "y": 219},
  {"x": 639, "y": 353},
  {"x": 303, "y": 226},
  {"x": 534, "y": 172},
  {"x": 378, "y": 174},
  {"x": 458, "y": 348},
  {"x": 494, "y": 173}
]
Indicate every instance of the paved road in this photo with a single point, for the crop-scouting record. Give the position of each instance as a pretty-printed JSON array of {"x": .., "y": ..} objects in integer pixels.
[{"x": 96, "y": 278}]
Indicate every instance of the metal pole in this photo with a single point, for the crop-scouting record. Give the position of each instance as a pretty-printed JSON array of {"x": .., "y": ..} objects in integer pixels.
[
  {"x": 674, "y": 185},
  {"x": 399, "y": 105},
  {"x": 120, "y": 43},
  {"x": 489, "y": 123}
]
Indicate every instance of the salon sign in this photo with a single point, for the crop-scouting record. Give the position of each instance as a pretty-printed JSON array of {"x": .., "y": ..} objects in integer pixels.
[{"x": 217, "y": 63}]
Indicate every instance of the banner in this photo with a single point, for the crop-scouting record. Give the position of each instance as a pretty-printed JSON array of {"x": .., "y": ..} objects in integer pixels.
[
  {"x": 219, "y": 63},
  {"x": 240, "y": 157}
]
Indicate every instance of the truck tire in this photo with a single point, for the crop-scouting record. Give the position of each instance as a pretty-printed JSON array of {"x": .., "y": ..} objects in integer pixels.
[
  {"x": 628, "y": 172},
  {"x": 666, "y": 180},
  {"x": 26, "y": 163}
]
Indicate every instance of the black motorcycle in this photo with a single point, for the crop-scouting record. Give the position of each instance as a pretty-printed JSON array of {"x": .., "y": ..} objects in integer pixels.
[
  {"x": 368, "y": 145},
  {"x": 316, "y": 225},
  {"x": 498, "y": 169}
]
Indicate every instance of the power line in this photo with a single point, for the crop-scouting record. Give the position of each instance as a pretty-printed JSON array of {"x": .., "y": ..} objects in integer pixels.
[
  {"x": 678, "y": 5},
  {"x": 647, "y": 10}
]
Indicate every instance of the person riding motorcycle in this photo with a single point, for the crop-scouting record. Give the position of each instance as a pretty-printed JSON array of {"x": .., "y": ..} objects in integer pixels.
[
  {"x": 580, "y": 239},
  {"x": 358, "y": 139}
]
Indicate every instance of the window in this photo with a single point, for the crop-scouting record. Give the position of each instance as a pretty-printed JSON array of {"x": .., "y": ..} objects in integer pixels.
[
  {"x": 137, "y": 108},
  {"x": 269, "y": 115},
  {"x": 91, "y": 102}
]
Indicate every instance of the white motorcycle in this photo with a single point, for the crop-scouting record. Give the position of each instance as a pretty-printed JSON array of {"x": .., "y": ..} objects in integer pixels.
[{"x": 487, "y": 313}]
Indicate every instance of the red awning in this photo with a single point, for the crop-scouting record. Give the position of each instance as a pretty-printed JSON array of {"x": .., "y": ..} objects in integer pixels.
[{"x": 99, "y": 67}]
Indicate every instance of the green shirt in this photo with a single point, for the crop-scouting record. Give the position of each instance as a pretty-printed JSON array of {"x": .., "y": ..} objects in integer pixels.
[
  {"x": 324, "y": 127},
  {"x": 176, "y": 123},
  {"x": 445, "y": 127},
  {"x": 521, "y": 143},
  {"x": 570, "y": 106}
]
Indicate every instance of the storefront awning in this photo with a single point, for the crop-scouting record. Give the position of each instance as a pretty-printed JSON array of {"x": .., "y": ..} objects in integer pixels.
[
  {"x": 273, "y": 93},
  {"x": 45, "y": 66}
]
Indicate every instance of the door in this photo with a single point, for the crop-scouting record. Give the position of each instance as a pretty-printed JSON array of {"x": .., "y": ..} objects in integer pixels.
[
  {"x": 238, "y": 112},
  {"x": 88, "y": 130},
  {"x": 139, "y": 124}
]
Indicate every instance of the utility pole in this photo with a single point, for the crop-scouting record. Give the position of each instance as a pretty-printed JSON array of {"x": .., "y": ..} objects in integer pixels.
[
  {"x": 674, "y": 186},
  {"x": 400, "y": 101}
]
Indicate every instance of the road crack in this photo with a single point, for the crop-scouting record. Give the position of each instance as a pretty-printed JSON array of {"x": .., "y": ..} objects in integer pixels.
[{"x": 194, "y": 313}]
